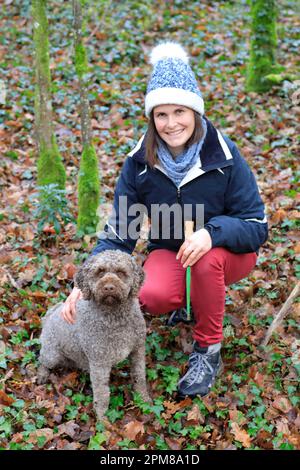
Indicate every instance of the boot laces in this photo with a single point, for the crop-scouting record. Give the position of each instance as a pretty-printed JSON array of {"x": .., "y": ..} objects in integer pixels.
[{"x": 199, "y": 367}]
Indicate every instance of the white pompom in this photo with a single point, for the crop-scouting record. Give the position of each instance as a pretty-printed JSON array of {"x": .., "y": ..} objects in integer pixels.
[{"x": 168, "y": 50}]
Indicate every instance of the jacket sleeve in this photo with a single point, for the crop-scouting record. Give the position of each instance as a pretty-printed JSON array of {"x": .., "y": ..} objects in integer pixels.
[
  {"x": 243, "y": 228},
  {"x": 118, "y": 234}
]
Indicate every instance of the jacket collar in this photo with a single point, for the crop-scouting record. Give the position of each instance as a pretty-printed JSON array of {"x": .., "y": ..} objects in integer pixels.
[{"x": 215, "y": 153}]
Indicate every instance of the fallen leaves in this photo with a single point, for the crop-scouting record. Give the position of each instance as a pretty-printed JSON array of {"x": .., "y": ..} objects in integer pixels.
[
  {"x": 172, "y": 407},
  {"x": 282, "y": 404},
  {"x": 195, "y": 416},
  {"x": 34, "y": 275},
  {"x": 5, "y": 399},
  {"x": 240, "y": 435},
  {"x": 132, "y": 429}
]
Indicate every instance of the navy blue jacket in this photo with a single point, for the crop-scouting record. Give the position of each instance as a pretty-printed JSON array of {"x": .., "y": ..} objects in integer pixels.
[{"x": 221, "y": 180}]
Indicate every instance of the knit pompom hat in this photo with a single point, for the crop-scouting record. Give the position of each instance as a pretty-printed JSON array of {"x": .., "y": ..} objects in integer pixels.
[{"x": 172, "y": 80}]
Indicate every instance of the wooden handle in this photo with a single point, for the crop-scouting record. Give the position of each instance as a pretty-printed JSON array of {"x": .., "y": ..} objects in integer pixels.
[{"x": 188, "y": 228}]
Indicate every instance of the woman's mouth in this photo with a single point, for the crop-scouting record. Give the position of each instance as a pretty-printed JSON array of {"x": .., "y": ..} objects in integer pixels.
[{"x": 175, "y": 133}]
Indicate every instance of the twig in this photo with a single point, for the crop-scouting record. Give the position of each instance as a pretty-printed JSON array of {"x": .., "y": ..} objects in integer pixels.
[{"x": 281, "y": 314}]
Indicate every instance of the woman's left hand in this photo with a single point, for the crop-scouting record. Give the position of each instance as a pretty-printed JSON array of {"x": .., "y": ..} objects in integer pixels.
[{"x": 194, "y": 248}]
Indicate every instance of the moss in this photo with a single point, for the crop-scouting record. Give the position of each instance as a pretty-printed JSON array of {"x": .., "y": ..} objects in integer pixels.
[
  {"x": 81, "y": 66},
  {"x": 278, "y": 78},
  {"x": 40, "y": 36},
  {"x": 50, "y": 169},
  {"x": 88, "y": 191},
  {"x": 263, "y": 46}
]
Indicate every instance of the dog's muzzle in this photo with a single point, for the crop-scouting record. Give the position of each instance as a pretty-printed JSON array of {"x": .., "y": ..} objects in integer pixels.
[
  {"x": 110, "y": 294},
  {"x": 110, "y": 290}
]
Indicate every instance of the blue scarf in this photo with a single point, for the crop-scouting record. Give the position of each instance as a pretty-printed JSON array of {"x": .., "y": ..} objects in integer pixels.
[{"x": 177, "y": 168}]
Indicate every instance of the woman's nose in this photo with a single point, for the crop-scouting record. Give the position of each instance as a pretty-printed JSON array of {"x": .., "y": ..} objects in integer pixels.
[{"x": 171, "y": 122}]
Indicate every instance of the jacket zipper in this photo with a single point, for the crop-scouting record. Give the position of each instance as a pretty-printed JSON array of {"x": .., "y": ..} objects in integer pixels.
[
  {"x": 182, "y": 211},
  {"x": 179, "y": 195}
]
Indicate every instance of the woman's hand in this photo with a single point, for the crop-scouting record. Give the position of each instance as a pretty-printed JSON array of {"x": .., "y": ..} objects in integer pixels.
[
  {"x": 68, "y": 312},
  {"x": 194, "y": 248}
]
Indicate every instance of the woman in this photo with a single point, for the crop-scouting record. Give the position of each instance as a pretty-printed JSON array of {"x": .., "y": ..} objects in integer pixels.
[{"x": 183, "y": 163}]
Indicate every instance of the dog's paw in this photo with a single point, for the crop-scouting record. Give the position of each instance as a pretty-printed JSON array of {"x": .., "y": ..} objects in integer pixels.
[{"x": 42, "y": 375}]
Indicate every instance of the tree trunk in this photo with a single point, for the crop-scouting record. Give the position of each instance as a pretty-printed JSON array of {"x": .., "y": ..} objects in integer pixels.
[
  {"x": 50, "y": 166},
  {"x": 88, "y": 179},
  {"x": 262, "y": 46}
]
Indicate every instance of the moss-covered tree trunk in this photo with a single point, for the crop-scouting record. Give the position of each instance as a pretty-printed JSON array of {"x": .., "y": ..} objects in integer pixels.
[
  {"x": 50, "y": 169},
  {"x": 88, "y": 179},
  {"x": 262, "y": 46}
]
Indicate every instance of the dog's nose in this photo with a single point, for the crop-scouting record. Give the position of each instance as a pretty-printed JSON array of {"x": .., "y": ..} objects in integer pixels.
[{"x": 109, "y": 288}]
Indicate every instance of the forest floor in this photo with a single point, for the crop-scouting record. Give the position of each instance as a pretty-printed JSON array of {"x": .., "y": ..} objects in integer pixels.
[{"x": 254, "y": 404}]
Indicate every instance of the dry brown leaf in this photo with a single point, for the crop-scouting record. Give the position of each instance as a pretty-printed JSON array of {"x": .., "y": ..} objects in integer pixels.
[
  {"x": 259, "y": 379},
  {"x": 2, "y": 345},
  {"x": 5, "y": 256},
  {"x": 172, "y": 407},
  {"x": 241, "y": 435},
  {"x": 174, "y": 444},
  {"x": 195, "y": 415},
  {"x": 208, "y": 404},
  {"x": 26, "y": 231},
  {"x": 38, "y": 294},
  {"x": 4, "y": 278},
  {"x": 44, "y": 432},
  {"x": 70, "y": 445},
  {"x": 294, "y": 214},
  {"x": 237, "y": 417},
  {"x": 297, "y": 248},
  {"x": 279, "y": 216},
  {"x": 70, "y": 428},
  {"x": 258, "y": 274},
  {"x": 26, "y": 277},
  {"x": 49, "y": 229},
  {"x": 264, "y": 439},
  {"x": 5, "y": 399},
  {"x": 17, "y": 437},
  {"x": 282, "y": 404},
  {"x": 133, "y": 428},
  {"x": 67, "y": 272},
  {"x": 282, "y": 425}
]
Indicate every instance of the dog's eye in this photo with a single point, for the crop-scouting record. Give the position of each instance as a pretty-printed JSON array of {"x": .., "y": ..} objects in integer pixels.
[
  {"x": 99, "y": 272},
  {"x": 121, "y": 273}
]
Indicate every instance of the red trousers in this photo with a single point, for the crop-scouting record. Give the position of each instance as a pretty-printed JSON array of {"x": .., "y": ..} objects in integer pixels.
[{"x": 164, "y": 289}]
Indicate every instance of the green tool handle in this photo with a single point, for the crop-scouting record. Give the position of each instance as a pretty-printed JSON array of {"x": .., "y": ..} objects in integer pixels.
[
  {"x": 188, "y": 292},
  {"x": 188, "y": 231}
]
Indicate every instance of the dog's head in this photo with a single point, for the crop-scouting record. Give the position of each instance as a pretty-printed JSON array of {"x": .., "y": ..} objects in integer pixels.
[{"x": 110, "y": 277}]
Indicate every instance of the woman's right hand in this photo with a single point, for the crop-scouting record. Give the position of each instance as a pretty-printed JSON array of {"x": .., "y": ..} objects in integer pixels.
[{"x": 68, "y": 312}]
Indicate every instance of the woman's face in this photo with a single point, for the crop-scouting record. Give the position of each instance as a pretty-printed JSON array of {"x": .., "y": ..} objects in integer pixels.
[{"x": 175, "y": 124}]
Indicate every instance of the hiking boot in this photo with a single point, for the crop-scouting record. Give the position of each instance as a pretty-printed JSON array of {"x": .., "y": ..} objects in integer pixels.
[
  {"x": 204, "y": 366},
  {"x": 180, "y": 315}
]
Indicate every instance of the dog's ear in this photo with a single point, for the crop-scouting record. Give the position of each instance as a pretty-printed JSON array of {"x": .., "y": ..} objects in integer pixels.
[
  {"x": 138, "y": 278},
  {"x": 82, "y": 279}
]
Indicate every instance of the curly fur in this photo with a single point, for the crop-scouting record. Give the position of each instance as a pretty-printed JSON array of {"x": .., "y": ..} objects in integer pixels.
[{"x": 109, "y": 326}]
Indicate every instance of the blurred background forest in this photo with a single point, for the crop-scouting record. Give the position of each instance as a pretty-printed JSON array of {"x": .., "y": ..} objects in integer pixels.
[{"x": 254, "y": 405}]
